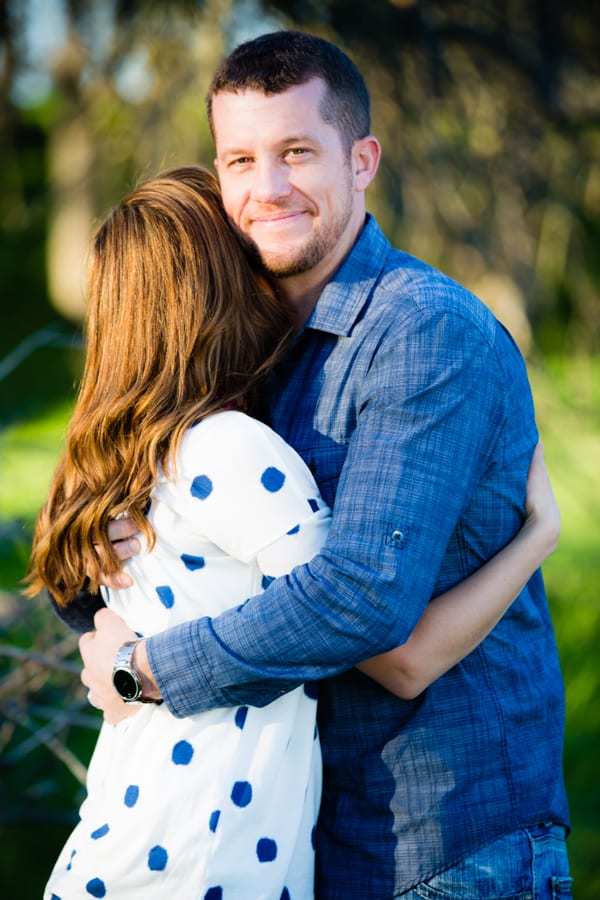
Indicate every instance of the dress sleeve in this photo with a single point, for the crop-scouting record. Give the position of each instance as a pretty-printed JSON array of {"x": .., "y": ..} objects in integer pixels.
[
  {"x": 79, "y": 613},
  {"x": 244, "y": 489}
]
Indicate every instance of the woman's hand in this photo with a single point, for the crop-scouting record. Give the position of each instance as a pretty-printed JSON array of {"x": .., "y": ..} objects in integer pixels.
[{"x": 122, "y": 534}]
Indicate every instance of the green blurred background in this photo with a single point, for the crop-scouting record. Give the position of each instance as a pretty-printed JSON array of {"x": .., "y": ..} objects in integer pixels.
[{"x": 489, "y": 116}]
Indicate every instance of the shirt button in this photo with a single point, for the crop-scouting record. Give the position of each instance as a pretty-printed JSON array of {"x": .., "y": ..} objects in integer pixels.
[{"x": 395, "y": 537}]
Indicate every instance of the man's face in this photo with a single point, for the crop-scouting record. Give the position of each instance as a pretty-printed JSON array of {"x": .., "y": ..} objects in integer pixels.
[{"x": 285, "y": 177}]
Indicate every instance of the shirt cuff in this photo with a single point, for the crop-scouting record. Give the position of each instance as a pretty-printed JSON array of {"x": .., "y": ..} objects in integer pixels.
[{"x": 181, "y": 671}]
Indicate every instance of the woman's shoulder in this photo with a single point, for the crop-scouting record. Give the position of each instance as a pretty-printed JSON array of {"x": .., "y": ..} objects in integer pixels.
[
  {"x": 232, "y": 438},
  {"x": 229, "y": 425},
  {"x": 241, "y": 445}
]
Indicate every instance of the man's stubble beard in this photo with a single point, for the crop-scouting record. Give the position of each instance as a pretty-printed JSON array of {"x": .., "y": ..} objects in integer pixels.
[{"x": 320, "y": 243}]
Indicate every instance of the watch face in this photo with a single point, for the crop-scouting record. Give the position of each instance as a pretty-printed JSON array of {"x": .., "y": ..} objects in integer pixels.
[{"x": 126, "y": 684}]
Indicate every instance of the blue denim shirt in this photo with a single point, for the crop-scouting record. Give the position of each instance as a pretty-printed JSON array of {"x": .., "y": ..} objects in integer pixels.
[{"x": 411, "y": 405}]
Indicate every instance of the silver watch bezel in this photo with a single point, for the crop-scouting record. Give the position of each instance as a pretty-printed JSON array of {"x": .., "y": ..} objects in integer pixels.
[{"x": 123, "y": 664}]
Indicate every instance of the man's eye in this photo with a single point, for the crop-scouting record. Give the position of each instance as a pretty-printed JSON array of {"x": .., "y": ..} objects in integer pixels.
[{"x": 241, "y": 161}]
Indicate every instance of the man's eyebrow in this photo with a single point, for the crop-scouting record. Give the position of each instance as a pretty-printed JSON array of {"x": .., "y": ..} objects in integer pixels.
[
  {"x": 240, "y": 150},
  {"x": 233, "y": 151},
  {"x": 299, "y": 139}
]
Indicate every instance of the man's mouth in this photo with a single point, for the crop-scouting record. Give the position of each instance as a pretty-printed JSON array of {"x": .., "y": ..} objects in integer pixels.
[{"x": 279, "y": 217}]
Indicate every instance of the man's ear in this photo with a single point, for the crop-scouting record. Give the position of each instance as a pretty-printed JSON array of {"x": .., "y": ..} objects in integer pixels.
[{"x": 366, "y": 154}]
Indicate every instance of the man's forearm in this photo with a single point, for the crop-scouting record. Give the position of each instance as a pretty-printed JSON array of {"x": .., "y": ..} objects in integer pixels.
[{"x": 187, "y": 683}]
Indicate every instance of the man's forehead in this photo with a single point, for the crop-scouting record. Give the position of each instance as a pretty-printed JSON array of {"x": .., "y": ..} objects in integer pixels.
[
  {"x": 310, "y": 92},
  {"x": 292, "y": 114}
]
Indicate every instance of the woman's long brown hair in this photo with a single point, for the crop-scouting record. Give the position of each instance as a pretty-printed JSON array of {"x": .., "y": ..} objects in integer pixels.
[{"x": 180, "y": 324}]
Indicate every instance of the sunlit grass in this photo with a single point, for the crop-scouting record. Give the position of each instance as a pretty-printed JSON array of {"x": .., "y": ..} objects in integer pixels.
[{"x": 29, "y": 451}]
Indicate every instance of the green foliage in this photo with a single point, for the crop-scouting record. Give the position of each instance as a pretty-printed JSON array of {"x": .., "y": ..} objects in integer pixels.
[
  {"x": 29, "y": 451},
  {"x": 567, "y": 394}
]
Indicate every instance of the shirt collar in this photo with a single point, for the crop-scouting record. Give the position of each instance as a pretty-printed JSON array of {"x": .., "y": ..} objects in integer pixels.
[{"x": 345, "y": 296}]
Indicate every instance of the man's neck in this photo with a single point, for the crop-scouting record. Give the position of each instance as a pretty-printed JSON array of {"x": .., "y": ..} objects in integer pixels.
[{"x": 300, "y": 293}]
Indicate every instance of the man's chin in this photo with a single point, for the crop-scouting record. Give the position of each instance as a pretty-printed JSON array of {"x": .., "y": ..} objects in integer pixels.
[
  {"x": 276, "y": 263},
  {"x": 281, "y": 265},
  {"x": 282, "y": 272}
]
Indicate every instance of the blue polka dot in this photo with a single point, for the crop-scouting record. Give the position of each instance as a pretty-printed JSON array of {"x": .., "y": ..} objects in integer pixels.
[
  {"x": 166, "y": 596},
  {"x": 311, "y": 689},
  {"x": 131, "y": 795},
  {"x": 240, "y": 716},
  {"x": 201, "y": 487},
  {"x": 241, "y": 793},
  {"x": 214, "y": 820},
  {"x": 266, "y": 581},
  {"x": 214, "y": 893},
  {"x": 266, "y": 850},
  {"x": 294, "y": 530},
  {"x": 99, "y": 832},
  {"x": 157, "y": 859},
  {"x": 272, "y": 479},
  {"x": 96, "y": 888},
  {"x": 314, "y": 504},
  {"x": 313, "y": 838},
  {"x": 54, "y": 897},
  {"x": 193, "y": 562},
  {"x": 285, "y": 894},
  {"x": 182, "y": 753},
  {"x": 70, "y": 863}
]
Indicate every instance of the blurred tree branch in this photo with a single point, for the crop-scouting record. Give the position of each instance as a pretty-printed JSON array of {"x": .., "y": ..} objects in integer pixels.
[
  {"x": 41, "y": 698},
  {"x": 489, "y": 113}
]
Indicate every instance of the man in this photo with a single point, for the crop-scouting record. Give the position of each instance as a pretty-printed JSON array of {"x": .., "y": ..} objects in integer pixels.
[{"x": 411, "y": 405}]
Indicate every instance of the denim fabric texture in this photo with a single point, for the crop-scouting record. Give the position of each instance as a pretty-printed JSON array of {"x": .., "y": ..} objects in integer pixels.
[
  {"x": 529, "y": 864},
  {"x": 411, "y": 404}
]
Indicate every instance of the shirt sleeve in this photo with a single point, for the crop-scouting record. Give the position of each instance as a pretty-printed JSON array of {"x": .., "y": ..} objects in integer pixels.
[{"x": 430, "y": 415}]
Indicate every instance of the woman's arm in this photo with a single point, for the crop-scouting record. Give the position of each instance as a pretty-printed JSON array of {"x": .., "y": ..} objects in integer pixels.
[{"x": 456, "y": 622}]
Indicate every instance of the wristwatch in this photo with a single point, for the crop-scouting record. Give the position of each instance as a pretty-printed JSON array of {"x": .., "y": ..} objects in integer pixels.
[{"x": 126, "y": 680}]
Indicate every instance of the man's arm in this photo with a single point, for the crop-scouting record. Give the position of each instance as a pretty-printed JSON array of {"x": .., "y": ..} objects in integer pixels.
[
  {"x": 456, "y": 622},
  {"x": 452, "y": 625},
  {"x": 430, "y": 420}
]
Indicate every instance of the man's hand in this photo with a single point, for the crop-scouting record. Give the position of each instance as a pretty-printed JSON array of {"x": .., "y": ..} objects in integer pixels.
[
  {"x": 98, "y": 650},
  {"x": 122, "y": 534}
]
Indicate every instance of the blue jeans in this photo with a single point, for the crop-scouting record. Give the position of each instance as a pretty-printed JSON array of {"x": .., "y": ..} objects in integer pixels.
[{"x": 528, "y": 864}]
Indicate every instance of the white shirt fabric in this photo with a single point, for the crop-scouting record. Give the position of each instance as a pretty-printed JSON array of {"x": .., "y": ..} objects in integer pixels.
[{"x": 220, "y": 805}]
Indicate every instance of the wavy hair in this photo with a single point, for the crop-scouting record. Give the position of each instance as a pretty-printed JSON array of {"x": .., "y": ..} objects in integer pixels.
[{"x": 181, "y": 323}]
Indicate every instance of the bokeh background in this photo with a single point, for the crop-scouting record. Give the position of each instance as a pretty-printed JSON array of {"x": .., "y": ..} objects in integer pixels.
[{"x": 489, "y": 116}]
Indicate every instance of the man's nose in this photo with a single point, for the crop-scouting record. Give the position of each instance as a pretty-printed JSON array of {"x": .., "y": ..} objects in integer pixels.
[{"x": 271, "y": 182}]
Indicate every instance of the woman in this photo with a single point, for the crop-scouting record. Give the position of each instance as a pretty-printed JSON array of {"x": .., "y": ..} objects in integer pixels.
[{"x": 181, "y": 329}]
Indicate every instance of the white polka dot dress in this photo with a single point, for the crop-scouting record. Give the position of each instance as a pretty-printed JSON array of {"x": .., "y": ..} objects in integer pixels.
[{"x": 221, "y": 805}]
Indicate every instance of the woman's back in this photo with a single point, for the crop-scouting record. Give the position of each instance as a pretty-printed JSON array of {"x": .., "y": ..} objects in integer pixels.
[{"x": 224, "y": 801}]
